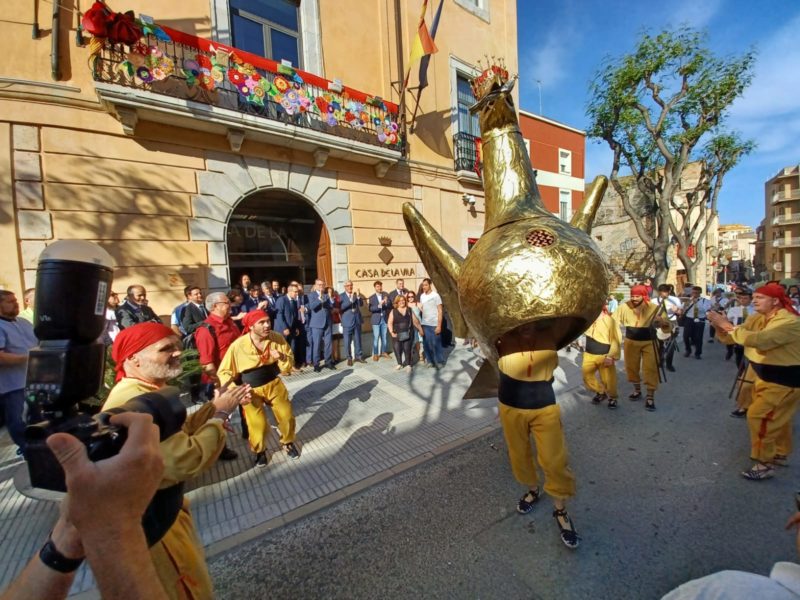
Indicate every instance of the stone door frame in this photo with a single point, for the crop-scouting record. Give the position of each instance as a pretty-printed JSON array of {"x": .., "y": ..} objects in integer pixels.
[{"x": 230, "y": 178}]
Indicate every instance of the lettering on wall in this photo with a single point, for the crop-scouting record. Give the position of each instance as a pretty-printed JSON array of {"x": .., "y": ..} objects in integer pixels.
[{"x": 383, "y": 273}]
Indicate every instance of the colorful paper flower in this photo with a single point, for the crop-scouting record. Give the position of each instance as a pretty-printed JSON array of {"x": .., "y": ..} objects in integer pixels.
[
  {"x": 217, "y": 74},
  {"x": 144, "y": 74},
  {"x": 280, "y": 83},
  {"x": 236, "y": 77}
]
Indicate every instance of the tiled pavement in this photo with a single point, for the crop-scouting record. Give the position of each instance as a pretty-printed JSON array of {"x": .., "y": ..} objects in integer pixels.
[{"x": 355, "y": 427}]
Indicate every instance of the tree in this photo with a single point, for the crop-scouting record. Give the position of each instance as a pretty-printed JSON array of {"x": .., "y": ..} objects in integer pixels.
[{"x": 659, "y": 109}]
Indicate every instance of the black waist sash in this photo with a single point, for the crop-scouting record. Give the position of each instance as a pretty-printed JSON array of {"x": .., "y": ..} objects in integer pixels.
[
  {"x": 162, "y": 512},
  {"x": 788, "y": 376},
  {"x": 258, "y": 376},
  {"x": 525, "y": 394},
  {"x": 595, "y": 347},
  {"x": 639, "y": 334}
]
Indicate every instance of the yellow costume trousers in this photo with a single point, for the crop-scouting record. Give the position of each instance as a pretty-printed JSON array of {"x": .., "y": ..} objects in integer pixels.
[
  {"x": 551, "y": 450},
  {"x": 179, "y": 560},
  {"x": 592, "y": 367},
  {"x": 276, "y": 396},
  {"x": 641, "y": 356},
  {"x": 769, "y": 419},
  {"x": 745, "y": 396}
]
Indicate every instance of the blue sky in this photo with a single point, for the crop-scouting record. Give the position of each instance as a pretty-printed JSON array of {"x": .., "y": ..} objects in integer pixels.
[{"x": 563, "y": 42}]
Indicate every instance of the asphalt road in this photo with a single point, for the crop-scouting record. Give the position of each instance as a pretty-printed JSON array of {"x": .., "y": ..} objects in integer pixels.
[{"x": 660, "y": 501}]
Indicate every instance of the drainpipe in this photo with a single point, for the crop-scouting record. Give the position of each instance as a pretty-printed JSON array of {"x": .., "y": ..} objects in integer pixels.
[
  {"x": 35, "y": 28},
  {"x": 55, "y": 72}
]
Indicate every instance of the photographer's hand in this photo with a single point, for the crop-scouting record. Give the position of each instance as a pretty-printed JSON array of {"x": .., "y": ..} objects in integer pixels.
[{"x": 102, "y": 514}]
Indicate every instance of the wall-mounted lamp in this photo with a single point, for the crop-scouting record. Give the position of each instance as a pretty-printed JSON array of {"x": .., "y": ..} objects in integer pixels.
[{"x": 468, "y": 200}]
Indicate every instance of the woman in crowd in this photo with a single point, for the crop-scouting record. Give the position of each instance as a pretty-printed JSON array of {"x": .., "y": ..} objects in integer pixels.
[
  {"x": 236, "y": 298},
  {"x": 411, "y": 300},
  {"x": 401, "y": 324}
]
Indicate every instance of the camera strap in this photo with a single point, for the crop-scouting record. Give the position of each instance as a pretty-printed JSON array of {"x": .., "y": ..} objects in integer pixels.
[{"x": 162, "y": 512}]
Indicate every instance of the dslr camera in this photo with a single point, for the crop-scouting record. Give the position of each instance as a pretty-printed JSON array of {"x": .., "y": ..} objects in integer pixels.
[{"x": 73, "y": 280}]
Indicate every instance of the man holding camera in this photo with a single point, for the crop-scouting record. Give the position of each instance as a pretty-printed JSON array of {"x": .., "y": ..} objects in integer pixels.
[
  {"x": 16, "y": 340},
  {"x": 257, "y": 359},
  {"x": 147, "y": 356}
]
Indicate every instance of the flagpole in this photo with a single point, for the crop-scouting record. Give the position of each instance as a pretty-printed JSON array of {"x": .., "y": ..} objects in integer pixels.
[{"x": 398, "y": 26}]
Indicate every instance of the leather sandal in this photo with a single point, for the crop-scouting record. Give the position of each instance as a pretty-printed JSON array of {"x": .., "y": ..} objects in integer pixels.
[
  {"x": 758, "y": 472},
  {"x": 635, "y": 395},
  {"x": 525, "y": 504},
  {"x": 780, "y": 460},
  {"x": 650, "y": 403},
  {"x": 568, "y": 534},
  {"x": 739, "y": 413},
  {"x": 598, "y": 398},
  {"x": 612, "y": 403}
]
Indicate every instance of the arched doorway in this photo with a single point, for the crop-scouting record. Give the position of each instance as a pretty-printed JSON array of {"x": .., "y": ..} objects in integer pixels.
[{"x": 276, "y": 235}]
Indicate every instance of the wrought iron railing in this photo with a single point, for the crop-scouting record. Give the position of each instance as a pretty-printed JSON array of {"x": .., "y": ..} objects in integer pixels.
[
  {"x": 792, "y": 242},
  {"x": 191, "y": 68},
  {"x": 467, "y": 150}
]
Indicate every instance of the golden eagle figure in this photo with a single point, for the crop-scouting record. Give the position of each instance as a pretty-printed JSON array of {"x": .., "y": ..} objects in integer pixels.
[{"x": 532, "y": 281}]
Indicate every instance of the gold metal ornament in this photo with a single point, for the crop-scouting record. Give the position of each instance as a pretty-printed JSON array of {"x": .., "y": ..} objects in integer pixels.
[{"x": 532, "y": 281}]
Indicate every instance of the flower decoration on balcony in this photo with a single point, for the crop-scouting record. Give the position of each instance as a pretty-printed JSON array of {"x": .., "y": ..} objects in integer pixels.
[
  {"x": 377, "y": 102},
  {"x": 387, "y": 133},
  {"x": 147, "y": 63},
  {"x": 355, "y": 115},
  {"x": 295, "y": 101},
  {"x": 330, "y": 108}
]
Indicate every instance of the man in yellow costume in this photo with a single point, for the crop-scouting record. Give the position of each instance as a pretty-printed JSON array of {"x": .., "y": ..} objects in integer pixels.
[
  {"x": 147, "y": 356},
  {"x": 528, "y": 407},
  {"x": 258, "y": 358},
  {"x": 602, "y": 350},
  {"x": 771, "y": 341},
  {"x": 638, "y": 316}
]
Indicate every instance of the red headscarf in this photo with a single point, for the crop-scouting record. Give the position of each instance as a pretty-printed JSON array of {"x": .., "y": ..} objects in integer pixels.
[
  {"x": 641, "y": 290},
  {"x": 133, "y": 339},
  {"x": 774, "y": 290},
  {"x": 251, "y": 318}
]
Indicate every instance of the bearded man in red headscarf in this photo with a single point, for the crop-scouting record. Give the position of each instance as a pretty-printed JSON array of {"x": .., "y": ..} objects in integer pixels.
[
  {"x": 638, "y": 316},
  {"x": 771, "y": 341},
  {"x": 147, "y": 356},
  {"x": 258, "y": 358}
]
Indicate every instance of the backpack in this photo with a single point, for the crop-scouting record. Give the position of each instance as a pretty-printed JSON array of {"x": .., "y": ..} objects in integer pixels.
[{"x": 189, "y": 343}]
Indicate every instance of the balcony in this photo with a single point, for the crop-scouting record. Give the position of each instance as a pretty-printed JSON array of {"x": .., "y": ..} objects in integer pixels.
[
  {"x": 174, "y": 78},
  {"x": 793, "y": 242},
  {"x": 786, "y": 197},
  {"x": 468, "y": 157},
  {"x": 786, "y": 219}
]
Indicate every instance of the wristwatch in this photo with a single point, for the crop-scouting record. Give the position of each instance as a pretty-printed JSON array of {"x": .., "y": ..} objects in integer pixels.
[{"x": 52, "y": 558}]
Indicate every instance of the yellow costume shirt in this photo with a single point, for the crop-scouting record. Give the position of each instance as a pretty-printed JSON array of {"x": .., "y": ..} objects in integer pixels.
[{"x": 606, "y": 331}]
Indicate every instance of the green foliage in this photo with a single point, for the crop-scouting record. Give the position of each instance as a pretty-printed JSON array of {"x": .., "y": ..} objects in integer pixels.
[
  {"x": 190, "y": 364},
  {"x": 659, "y": 108},
  {"x": 619, "y": 296}
]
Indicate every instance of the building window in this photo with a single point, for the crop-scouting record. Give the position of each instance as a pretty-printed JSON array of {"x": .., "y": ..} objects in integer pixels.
[
  {"x": 479, "y": 8},
  {"x": 269, "y": 28},
  {"x": 564, "y": 205},
  {"x": 468, "y": 131},
  {"x": 564, "y": 162}
]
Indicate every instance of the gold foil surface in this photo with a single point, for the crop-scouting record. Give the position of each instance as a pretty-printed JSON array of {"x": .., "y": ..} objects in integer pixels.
[{"x": 532, "y": 281}]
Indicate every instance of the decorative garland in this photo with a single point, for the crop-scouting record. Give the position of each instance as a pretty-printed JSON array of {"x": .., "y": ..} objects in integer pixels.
[{"x": 147, "y": 63}]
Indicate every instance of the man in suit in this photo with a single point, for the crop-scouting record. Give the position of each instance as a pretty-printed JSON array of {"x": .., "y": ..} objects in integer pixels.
[
  {"x": 195, "y": 311},
  {"x": 303, "y": 356},
  {"x": 351, "y": 303},
  {"x": 320, "y": 321},
  {"x": 400, "y": 289},
  {"x": 287, "y": 321},
  {"x": 379, "y": 307},
  {"x": 135, "y": 310}
]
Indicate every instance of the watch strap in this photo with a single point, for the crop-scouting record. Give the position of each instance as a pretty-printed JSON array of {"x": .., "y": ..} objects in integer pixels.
[{"x": 52, "y": 558}]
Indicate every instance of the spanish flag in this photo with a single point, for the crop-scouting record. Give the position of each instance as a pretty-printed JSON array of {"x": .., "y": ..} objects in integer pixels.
[{"x": 423, "y": 42}]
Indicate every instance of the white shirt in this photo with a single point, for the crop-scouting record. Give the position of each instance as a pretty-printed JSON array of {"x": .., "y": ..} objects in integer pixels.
[
  {"x": 703, "y": 305},
  {"x": 672, "y": 304},
  {"x": 430, "y": 312},
  {"x": 736, "y": 314},
  {"x": 783, "y": 583},
  {"x": 112, "y": 327}
]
